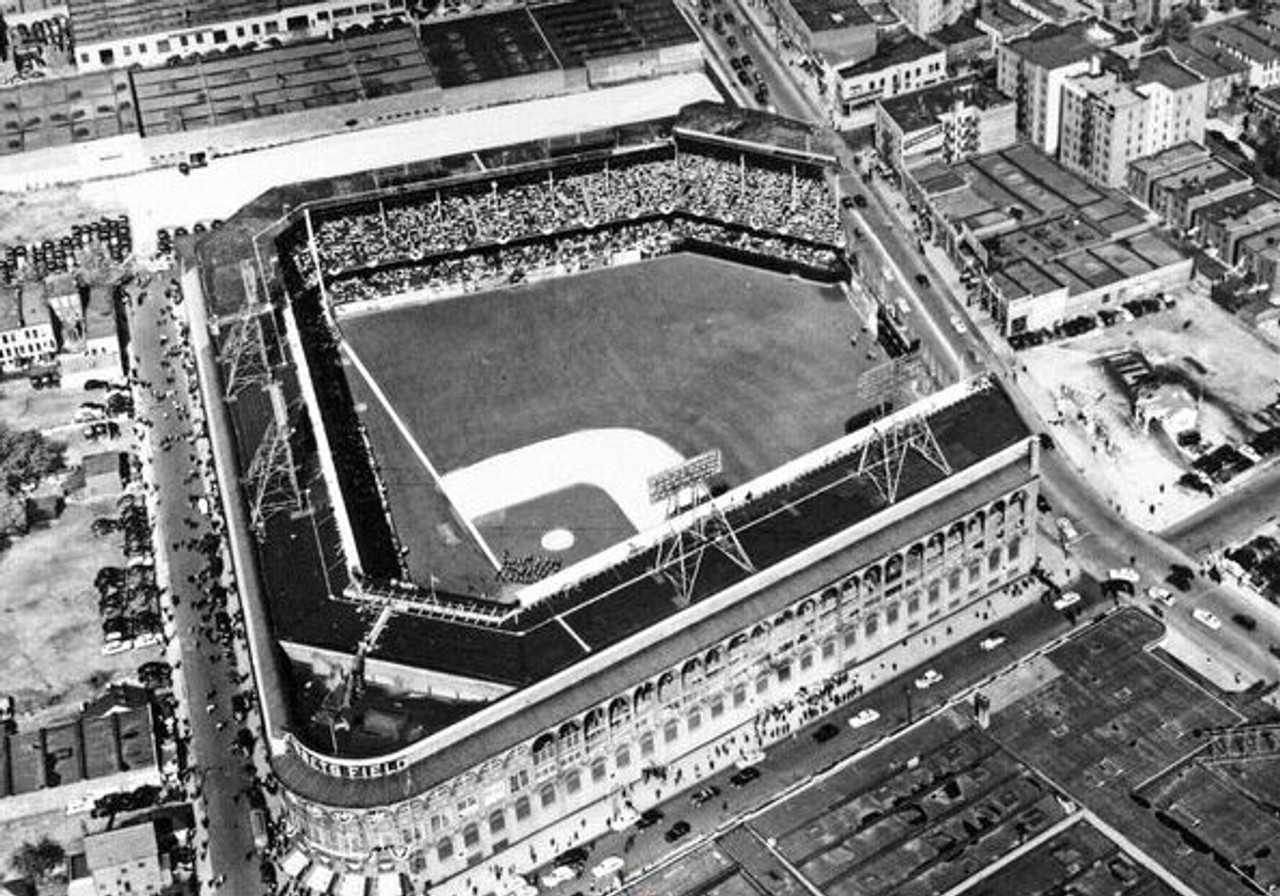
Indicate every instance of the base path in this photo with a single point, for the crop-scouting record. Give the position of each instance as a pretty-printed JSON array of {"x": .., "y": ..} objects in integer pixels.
[{"x": 617, "y": 461}]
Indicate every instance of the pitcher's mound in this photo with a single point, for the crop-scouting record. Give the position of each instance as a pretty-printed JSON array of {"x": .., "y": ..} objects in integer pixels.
[{"x": 557, "y": 540}]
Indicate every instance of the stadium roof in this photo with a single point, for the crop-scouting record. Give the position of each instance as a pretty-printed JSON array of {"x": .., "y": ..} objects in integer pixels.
[
  {"x": 298, "y": 76},
  {"x": 104, "y": 20},
  {"x": 817, "y": 508},
  {"x": 589, "y": 29}
]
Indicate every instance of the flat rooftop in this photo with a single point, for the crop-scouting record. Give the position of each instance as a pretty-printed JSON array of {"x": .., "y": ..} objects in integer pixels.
[
  {"x": 475, "y": 49},
  {"x": 292, "y": 78},
  {"x": 830, "y": 15},
  {"x": 1233, "y": 206},
  {"x": 899, "y": 49},
  {"x": 1207, "y": 177},
  {"x": 1175, "y": 158},
  {"x": 104, "y": 20},
  {"x": 922, "y": 108},
  {"x": 1162, "y": 68},
  {"x": 1208, "y": 61},
  {"x": 61, "y": 111},
  {"x": 589, "y": 29},
  {"x": 1054, "y": 46}
]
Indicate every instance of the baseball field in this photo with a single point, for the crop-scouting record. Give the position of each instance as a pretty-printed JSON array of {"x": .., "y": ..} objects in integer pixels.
[{"x": 480, "y": 407}]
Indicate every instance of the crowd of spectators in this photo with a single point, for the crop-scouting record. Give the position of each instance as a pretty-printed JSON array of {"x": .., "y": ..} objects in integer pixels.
[
  {"x": 569, "y": 253},
  {"x": 758, "y": 206}
]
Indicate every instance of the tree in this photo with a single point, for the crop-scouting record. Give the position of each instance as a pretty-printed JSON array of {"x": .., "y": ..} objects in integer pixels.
[
  {"x": 1178, "y": 26},
  {"x": 26, "y": 457},
  {"x": 35, "y": 861}
]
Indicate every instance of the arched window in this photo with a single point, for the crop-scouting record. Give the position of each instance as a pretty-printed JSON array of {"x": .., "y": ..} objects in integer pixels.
[
  {"x": 593, "y": 726},
  {"x": 666, "y": 687},
  {"x": 915, "y": 558},
  {"x": 849, "y": 587},
  {"x": 570, "y": 736},
  {"x": 547, "y": 796},
  {"x": 573, "y": 781},
  {"x": 544, "y": 749},
  {"x": 713, "y": 661},
  {"x": 497, "y": 822},
  {"x": 444, "y": 849},
  {"x": 599, "y": 771},
  {"x": 893, "y": 569},
  {"x": 619, "y": 712},
  {"x": 643, "y": 697},
  {"x": 470, "y": 836},
  {"x": 691, "y": 674},
  {"x": 522, "y": 808},
  {"x": 830, "y": 602},
  {"x": 871, "y": 578},
  {"x": 734, "y": 651},
  {"x": 646, "y": 744},
  {"x": 622, "y": 758}
]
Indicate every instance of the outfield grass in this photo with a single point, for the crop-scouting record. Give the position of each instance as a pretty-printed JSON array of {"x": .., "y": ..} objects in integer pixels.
[{"x": 700, "y": 353}]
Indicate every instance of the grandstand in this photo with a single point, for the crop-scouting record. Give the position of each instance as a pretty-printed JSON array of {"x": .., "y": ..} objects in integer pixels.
[{"x": 817, "y": 552}]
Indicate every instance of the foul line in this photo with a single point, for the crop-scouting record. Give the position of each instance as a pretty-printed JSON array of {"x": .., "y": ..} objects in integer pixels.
[{"x": 414, "y": 446}]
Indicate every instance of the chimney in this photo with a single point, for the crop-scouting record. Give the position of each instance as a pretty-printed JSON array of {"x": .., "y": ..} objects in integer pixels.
[{"x": 1095, "y": 65}]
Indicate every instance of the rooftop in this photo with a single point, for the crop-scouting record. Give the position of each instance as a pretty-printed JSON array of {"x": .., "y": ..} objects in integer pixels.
[
  {"x": 1107, "y": 87},
  {"x": 1227, "y": 36},
  {"x": 99, "y": 20},
  {"x": 899, "y": 49},
  {"x": 1005, "y": 18},
  {"x": 1207, "y": 61},
  {"x": 1207, "y": 177},
  {"x": 590, "y": 29},
  {"x": 922, "y": 108},
  {"x": 60, "y": 111},
  {"x": 292, "y": 78},
  {"x": 1162, "y": 68},
  {"x": 1175, "y": 158},
  {"x": 1230, "y": 207},
  {"x": 961, "y": 30},
  {"x": 482, "y": 48},
  {"x": 120, "y": 846},
  {"x": 1264, "y": 242},
  {"x": 1055, "y": 46},
  {"x": 828, "y": 15}
]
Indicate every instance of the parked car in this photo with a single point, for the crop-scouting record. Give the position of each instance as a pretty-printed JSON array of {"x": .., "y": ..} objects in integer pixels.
[
  {"x": 993, "y": 641},
  {"x": 745, "y": 777},
  {"x": 704, "y": 795},
  {"x": 1067, "y": 599},
  {"x": 928, "y": 679},
  {"x": 678, "y": 830},
  {"x": 648, "y": 819},
  {"x": 1124, "y": 574},
  {"x": 1245, "y": 621},
  {"x": 1206, "y": 618},
  {"x": 863, "y": 718},
  {"x": 571, "y": 858},
  {"x": 825, "y": 733},
  {"x": 1164, "y": 595}
]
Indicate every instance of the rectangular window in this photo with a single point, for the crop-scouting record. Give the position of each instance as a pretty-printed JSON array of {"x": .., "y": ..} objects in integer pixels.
[
  {"x": 850, "y": 636},
  {"x": 873, "y": 623},
  {"x": 934, "y": 593},
  {"x": 953, "y": 582},
  {"x": 913, "y": 605},
  {"x": 975, "y": 571},
  {"x": 162, "y": 45},
  {"x": 891, "y": 614},
  {"x": 828, "y": 650},
  {"x": 739, "y": 695},
  {"x": 717, "y": 708},
  {"x": 272, "y": 27},
  {"x": 671, "y": 731},
  {"x": 220, "y": 36}
]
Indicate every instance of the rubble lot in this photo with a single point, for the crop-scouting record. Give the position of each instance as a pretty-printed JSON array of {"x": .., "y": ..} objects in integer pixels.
[{"x": 1236, "y": 369}]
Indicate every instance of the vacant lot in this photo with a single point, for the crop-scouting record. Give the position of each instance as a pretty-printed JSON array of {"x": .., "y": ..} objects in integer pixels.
[
  {"x": 1221, "y": 360},
  {"x": 51, "y": 635}
]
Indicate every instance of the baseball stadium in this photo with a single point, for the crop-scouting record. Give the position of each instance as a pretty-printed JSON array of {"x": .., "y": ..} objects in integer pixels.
[{"x": 548, "y": 481}]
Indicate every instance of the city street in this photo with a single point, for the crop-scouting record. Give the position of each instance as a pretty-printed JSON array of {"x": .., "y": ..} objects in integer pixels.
[{"x": 203, "y": 675}]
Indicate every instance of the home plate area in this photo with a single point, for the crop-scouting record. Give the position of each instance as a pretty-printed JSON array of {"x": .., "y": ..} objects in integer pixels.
[{"x": 550, "y": 504}]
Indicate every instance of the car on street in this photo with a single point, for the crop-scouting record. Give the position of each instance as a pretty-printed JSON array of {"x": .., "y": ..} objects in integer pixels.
[
  {"x": 1043, "y": 505},
  {"x": 732, "y": 42},
  {"x": 649, "y": 818},
  {"x": 557, "y": 876},
  {"x": 825, "y": 733},
  {"x": 1206, "y": 618},
  {"x": 928, "y": 679},
  {"x": 863, "y": 718},
  {"x": 992, "y": 641},
  {"x": 677, "y": 830},
  {"x": 744, "y": 777},
  {"x": 1181, "y": 576},
  {"x": 609, "y": 866},
  {"x": 704, "y": 795},
  {"x": 1245, "y": 621},
  {"x": 922, "y": 281},
  {"x": 1067, "y": 599},
  {"x": 1124, "y": 574},
  {"x": 1164, "y": 595},
  {"x": 957, "y": 324},
  {"x": 576, "y": 857}
]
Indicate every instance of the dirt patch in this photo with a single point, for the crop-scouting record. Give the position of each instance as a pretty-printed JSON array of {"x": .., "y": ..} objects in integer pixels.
[
  {"x": 47, "y": 214},
  {"x": 50, "y": 633}
]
